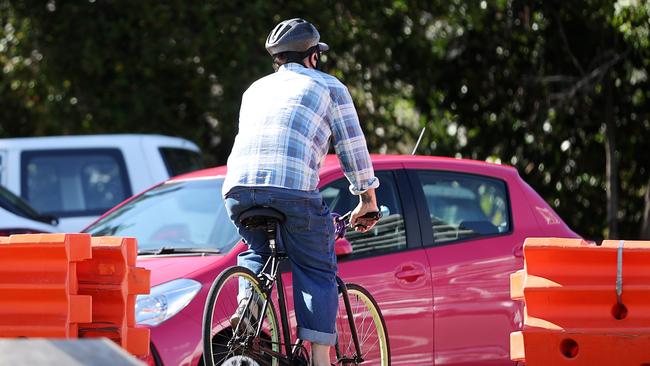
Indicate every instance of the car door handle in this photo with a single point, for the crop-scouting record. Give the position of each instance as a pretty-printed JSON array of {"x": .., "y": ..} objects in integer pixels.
[
  {"x": 409, "y": 274},
  {"x": 518, "y": 251}
]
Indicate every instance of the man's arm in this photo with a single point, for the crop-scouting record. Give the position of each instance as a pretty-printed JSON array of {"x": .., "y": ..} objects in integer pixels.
[{"x": 352, "y": 151}]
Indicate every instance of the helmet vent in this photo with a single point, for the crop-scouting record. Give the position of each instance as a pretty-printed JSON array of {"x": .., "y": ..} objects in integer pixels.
[{"x": 282, "y": 31}]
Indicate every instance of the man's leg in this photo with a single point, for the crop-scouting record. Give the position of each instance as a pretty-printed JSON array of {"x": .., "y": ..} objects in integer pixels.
[
  {"x": 308, "y": 237},
  {"x": 320, "y": 354},
  {"x": 236, "y": 202}
]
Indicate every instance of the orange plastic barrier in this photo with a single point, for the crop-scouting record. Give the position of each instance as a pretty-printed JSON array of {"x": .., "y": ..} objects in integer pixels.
[
  {"x": 584, "y": 304},
  {"x": 113, "y": 281},
  {"x": 38, "y": 285},
  {"x": 72, "y": 285}
]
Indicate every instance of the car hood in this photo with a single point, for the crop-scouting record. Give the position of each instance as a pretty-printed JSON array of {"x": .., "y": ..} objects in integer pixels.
[
  {"x": 9, "y": 220},
  {"x": 165, "y": 268}
]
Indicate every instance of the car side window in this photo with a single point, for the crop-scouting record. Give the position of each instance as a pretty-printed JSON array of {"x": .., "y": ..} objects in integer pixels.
[
  {"x": 179, "y": 161},
  {"x": 463, "y": 206},
  {"x": 74, "y": 182},
  {"x": 389, "y": 234}
]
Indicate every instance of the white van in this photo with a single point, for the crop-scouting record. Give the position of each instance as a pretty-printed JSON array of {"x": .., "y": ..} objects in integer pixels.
[{"x": 77, "y": 178}]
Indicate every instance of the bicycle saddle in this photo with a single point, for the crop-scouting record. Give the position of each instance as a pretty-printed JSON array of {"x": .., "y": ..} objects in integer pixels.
[{"x": 259, "y": 216}]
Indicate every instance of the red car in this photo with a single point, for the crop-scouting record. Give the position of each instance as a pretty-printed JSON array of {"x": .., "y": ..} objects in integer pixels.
[{"x": 438, "y": 262}]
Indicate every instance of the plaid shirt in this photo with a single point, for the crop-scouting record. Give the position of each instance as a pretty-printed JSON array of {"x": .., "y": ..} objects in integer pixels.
[{"x": 285, "y": 124}]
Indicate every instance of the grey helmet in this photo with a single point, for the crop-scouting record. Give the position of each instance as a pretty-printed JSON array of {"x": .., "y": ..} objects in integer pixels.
[{"x": 296, "y": 35}]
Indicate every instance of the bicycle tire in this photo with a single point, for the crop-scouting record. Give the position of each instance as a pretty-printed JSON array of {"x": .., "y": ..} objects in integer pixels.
[
  {"x": 221, "y": 304},
  {"x": 370, "y": 326}
]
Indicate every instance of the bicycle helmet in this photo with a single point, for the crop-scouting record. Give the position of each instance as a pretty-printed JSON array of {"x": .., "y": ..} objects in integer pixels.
[{"x": 293, "y": 35}]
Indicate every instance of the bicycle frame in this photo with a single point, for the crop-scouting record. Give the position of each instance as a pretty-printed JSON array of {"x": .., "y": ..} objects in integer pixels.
[
  {"x": 271, "y": 277},
  {"x": 267, "y": 280},
  {"x": 268, "y": 276}
]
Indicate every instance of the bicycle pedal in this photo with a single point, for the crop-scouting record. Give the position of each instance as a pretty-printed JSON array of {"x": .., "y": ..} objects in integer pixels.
[{"x": 244, "y": 324}]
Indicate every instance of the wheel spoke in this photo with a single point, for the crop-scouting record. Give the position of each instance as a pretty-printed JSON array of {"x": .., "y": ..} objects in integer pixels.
[
  {"x": 369, "y": 326},
  {"x": 223, "y": 303}
]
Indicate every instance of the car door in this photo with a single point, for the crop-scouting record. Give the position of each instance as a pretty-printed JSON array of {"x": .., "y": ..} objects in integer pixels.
[
  {"x": 472, "y": 247},
  {"x": 389, "y": 262}
]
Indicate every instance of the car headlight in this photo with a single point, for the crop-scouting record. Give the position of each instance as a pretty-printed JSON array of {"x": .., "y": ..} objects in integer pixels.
[{"x": 165, "y": 301}]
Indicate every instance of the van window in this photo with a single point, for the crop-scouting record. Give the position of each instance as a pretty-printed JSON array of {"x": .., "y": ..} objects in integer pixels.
[
  {"x": 179, "y": 161},
  {"x": 74, "y": 182}
]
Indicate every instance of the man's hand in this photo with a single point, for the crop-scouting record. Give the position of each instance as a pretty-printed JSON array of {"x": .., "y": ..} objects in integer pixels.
[{"x": 367, "y": 203}]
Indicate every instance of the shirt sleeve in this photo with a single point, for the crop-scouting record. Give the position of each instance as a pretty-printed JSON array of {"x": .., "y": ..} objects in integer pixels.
[{"x": 350, "y": 143}]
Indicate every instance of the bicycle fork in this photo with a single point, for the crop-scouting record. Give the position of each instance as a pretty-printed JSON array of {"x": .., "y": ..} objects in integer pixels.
[{"x": 353, "y": 328}]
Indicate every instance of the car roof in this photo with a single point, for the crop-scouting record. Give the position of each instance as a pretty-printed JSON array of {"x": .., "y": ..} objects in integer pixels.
[{"x": 331, "y": 163}]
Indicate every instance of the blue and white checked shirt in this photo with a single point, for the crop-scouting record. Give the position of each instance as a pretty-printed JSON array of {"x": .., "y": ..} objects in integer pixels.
[{"x": 285, "y": 124}]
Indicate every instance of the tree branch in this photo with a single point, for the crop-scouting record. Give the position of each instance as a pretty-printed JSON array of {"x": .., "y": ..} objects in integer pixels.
[
  {"x": 596, "y": 73},
  {"x": 561, "y": 79},
  {"x": 565, "y": 43}
]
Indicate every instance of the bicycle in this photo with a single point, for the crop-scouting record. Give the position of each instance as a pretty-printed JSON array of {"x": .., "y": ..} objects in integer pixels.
[{"x": 254, "y": 338}]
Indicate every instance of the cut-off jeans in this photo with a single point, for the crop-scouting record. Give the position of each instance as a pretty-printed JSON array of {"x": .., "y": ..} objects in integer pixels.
[{"x": 307, "y": 236}]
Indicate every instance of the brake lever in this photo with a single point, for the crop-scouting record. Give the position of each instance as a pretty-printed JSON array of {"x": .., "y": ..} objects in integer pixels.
[{"x": 344, "y": 218}]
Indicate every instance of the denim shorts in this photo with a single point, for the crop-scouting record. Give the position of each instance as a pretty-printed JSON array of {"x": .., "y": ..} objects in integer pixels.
[{"x": 307, "y": 237}]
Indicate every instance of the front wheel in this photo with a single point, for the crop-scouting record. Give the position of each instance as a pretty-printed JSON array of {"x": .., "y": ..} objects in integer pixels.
[
  {"x": 370, "y": 327},
  {"x": 224, "y": 345}
]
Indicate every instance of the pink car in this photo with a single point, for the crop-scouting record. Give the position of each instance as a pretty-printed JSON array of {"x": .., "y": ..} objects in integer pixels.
[{"x": 438, "y": 262}]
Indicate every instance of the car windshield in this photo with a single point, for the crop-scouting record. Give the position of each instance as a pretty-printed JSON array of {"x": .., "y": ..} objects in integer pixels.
[
  {"x": 185, "y": 215},
  {"x": 16, "y": 205}
]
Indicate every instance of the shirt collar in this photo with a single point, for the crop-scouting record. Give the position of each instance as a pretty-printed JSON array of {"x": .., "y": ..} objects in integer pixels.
[{"x": 291, "y": 66}]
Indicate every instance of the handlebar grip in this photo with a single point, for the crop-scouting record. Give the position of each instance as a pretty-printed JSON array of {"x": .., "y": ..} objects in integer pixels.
[{"x": 371, "y": 215}]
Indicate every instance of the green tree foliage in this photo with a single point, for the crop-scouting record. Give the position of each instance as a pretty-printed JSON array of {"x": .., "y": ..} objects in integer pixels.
[{"x": 533, "y": 83}]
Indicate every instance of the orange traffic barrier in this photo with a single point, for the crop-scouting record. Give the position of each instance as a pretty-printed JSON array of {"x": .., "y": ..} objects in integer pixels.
[
  {"x": 38, "y": 285},
  {"x": 584, "y": 304},
  {"x": 113, "y": 281}
]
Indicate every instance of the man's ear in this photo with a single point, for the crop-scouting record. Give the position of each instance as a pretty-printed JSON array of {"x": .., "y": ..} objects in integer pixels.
[
  {"x": 307, "y": 61},
  {"x": 312, "y": 60}
]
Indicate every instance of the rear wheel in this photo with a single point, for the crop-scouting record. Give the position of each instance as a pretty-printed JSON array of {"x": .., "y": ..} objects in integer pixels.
[
  {"x": 220, "y": 341},
  {"x": 371, "y": 330}
]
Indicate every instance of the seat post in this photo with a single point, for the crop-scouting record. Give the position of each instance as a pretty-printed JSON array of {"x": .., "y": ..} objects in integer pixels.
[
  {"x": 271, "y": 228},
  {"x": 264, "y": 218}
]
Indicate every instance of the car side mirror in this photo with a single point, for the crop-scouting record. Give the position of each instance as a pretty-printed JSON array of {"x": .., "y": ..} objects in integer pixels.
[{"x": 342, "y": 247}]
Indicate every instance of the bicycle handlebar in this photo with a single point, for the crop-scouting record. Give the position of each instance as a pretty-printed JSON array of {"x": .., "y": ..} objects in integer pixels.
[{"x": 342, "y": 222}]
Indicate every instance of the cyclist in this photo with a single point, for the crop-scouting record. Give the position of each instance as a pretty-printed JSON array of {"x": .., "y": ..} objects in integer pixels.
[{"x": 286, "y": 121}]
